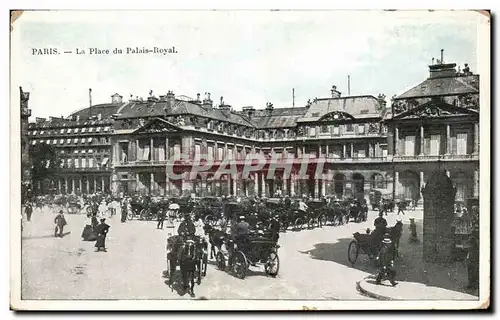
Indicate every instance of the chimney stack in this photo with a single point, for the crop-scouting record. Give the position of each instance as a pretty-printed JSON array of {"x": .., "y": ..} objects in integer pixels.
[
  {"x": 170, "y": 99},
  {"x": 335, "y": 93},
  {"x": 116, "y": 98},
  {"x": 249, "y": 111},
  {"x": 207, "y": 102}
]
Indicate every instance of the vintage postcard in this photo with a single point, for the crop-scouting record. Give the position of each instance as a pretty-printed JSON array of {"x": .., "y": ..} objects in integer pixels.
[{"x": 250, "y": 160}]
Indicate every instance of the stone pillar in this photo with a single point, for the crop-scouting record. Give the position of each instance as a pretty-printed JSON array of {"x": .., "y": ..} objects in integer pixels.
[
  {"x": 396, "y": 143},
  {"x": 167, "y": 151},
  {"x": 396, "y": 184},
  {"x": 303, "y": 151},
  {"x": 292, "y": 184},
  {"x": 80, "y": 184},
  {"x": 73, "y": 185},
  {"x": 448, "y": 139},
  {"x": 422, "y": 185},
  {"x": 316, "y": 188},
  {"x": 256, "y": 183},
  {"x": 285, "y": 186},
  {"x": 370, "y": 150},
  {"x": 102, "y": 183},
  {"x": 88, "y": 185},
  {"x": 422, "y": 140},
  {"x": 344, "y": 151},
  {"x": 327, "y": 151},
  {"x": 137, "y": 150},
  {"x": 151, "y": 181},
  {"x": 95, "y": 183},
  {"x": 352, "y": 150},
  {"x": 476, "y": 139},
  {"x": 439, "y": 200},
  {"x": 476, "y": 183},
  {"x": 66, "y": 185},
  {"x": 323, "y": 187},
  {"x": 151, "y": 150},
  {"x": 235, "y": 188},
  {"x": 262, "y": 185},
  {"x": 137, "y": 183},
  {"x": 59, "y": 186}
]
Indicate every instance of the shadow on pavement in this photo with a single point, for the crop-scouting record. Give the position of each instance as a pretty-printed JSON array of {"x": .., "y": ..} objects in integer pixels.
[
  {"x": 337, "y": 252},
  {"x": 45, "y": 236}
]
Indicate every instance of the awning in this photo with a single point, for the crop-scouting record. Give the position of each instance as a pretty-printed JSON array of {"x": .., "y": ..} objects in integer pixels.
[
  {"x": 62, "y": 131},
  {"x": 69, "y": 130},
  {"x": 84, "y": 130},
  {"x": 83, "y": 140},
  {"x": 34, "y": 132},
  {"x": 76, "y": 130},
  {"x": 54, "y": 141},
  {"x": 61, "y": 141},
  {"x": 75, "y": 140},
  {"x": 89, "y": 140},
  {"x": 105, "y": 161},
  {"x": 68, "y": 141}
]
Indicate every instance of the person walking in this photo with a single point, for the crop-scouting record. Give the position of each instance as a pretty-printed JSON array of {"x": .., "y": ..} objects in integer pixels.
[
  {"x": 386, "y": 261},
  {"x": 28, "y": 210},
  {"x": 102, "y": 231},
  {"x": 60, "y": 222},
  {"x": 161, "y": 218}
]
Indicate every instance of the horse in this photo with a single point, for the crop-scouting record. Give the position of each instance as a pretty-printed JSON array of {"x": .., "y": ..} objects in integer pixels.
[
  {"x": 215, "y": 237},
  {"x": 187, "y": 261},
  {"x": 395, "y": 232},
  {"x": 201, "y": 258}
]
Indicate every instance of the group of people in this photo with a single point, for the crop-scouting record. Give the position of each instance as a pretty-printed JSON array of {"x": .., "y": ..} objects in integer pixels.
[{"x": 95, "y": 231}]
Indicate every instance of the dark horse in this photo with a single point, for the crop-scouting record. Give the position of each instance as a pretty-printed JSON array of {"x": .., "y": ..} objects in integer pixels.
[
  {"x": 396, "y": 231},
  {"x": 215, "y": 237},
  {"x": 184, "y": 254}
]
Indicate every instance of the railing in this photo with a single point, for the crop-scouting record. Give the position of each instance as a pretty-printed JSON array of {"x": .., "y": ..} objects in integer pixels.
[
  {"x": 85, "y": 169},
  {"x": 443, "y": 157}
]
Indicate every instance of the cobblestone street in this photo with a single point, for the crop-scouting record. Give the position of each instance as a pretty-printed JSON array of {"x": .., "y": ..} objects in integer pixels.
[{"x": 313, "y": 265}]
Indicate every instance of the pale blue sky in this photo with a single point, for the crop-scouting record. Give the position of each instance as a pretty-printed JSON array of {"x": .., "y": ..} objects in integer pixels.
[{"x": 249, "y": 57}]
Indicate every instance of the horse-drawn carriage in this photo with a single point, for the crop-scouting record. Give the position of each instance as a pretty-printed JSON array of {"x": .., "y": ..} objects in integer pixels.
[
  {"x": 191, "y": 255},
  {"x": 208, "y": 209},
  {"x": 337, "y": 212},
  {"x": 260, "y": 249},
  {"x": 358, "y": 210},
  {"x": 369, "y": 243}
]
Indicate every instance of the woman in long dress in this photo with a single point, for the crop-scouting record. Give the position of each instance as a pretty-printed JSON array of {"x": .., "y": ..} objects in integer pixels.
[{"x": 88, "y": 230}]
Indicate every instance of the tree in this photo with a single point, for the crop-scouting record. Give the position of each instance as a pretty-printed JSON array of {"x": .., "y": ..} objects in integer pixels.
[{"x": 45, "y": 162}]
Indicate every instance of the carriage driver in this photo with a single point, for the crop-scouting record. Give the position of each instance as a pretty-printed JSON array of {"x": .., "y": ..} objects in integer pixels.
[
  {"x": 187, "y": 228},
  {"x": 242, "y": 231},
  {"x": 302, "y": 206}
]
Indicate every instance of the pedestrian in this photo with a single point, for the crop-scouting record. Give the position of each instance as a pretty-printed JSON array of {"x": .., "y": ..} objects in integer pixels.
[
  {"x": 161, "y": 218},
  {"x": 102, "y": 231},
  {"x": 124, "y": 210},
  {"x": 413, "y": 232},
  {"x": 473, "y": 260},
  {"x": 386, "y": 261},
  {"x": 401, "y": 206},
  {"x": 60, "y": 222},
  {"x": 28, "y": 210}
]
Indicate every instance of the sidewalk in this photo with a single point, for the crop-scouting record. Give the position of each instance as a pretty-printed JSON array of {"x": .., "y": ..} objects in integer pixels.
[{"x": 417, "y": 279}]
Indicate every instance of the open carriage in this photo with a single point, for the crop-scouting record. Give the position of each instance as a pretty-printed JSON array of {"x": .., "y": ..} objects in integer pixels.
[
  {"x": 260, "y": 250},
  {"x": 369, "y": 243}
]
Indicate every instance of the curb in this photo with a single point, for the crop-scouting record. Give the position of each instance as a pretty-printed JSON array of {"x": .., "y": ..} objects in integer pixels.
[{"x": 371, "y": 294}]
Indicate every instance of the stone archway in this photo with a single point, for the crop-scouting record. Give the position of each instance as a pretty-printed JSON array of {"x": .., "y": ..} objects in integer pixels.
[
  {"x": 410, "y": 185},
  {"x": 358, "y": 186},
  {"x": 378, "y": 181},
  {"x": 339, "y": 184}
]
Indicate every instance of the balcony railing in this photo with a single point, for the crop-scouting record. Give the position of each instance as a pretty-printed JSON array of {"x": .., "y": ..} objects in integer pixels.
[
  {"x": 85, "y": 169},
  {"x": 443, "y": 157}
]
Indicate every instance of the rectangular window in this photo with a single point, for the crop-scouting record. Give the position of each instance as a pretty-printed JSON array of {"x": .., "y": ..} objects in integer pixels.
[
  {"x": 82, "y": 140},
  {"x": 410, "y": 146},
  {"x": 210, "y": 153},
  {"x": 349, "y": 127},
  {"x": 91, "y": 162},
  {"x": 230, "y": 153},
  {"x": 361, "y": 128},
  {"x": 77, "y": 163},
  {"x": 435, "y": 142},
  {"x": 324, "y": 129},
  {"x": 62, "y": 131},
  {"x": 98, "y": 129},
  {"x": 461, "y": 143},
  {"x": 312, "y": 131},
  {"x": 54, "y": 141},
  {"x": 75, "y": 140},
  {"x": 84, "y": 130},
  {"x": 77, "y": 130},
  {"x": 68, "y": 141},
  {"x": 220, "y": 154},
  {"x": 69, "y": 130},
  {"x": 336, "y": 130},
  {"x": 197, "y": 152},
  {"x": 84, "y": 162},
  {"x": 362, "y": 153}
]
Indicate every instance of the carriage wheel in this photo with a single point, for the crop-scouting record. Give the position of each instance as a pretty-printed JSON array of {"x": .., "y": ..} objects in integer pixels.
[
  {"x": 240, "y": 265},
  {"x": 142, "y": 214},
  {"x": 272, "y": 265},
  {"x": 220, "y": 261},
  {"x": 311, "y": 223},
  {"x": 353, "y": 251},
  {"x": 298, "y": 224},
  {"x": 130, "y": 215}
]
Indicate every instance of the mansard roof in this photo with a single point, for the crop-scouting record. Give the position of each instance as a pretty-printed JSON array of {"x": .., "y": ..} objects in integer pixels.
[
  {"x": 435, "y": 108},
  {"x": 358, "y": 106},
  {"x": 458, "y": 84}
]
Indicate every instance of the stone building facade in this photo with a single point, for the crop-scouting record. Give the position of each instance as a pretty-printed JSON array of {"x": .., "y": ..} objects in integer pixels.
[
  {"x": 25, "y": 155},
  {"x": 435, "y": 126}
]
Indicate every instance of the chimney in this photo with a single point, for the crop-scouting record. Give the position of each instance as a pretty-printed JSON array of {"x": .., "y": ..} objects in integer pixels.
[
  {"x": 198, "y": 98},
  {"x": 466, "y": 70},
  {"x": 442, "y": 70},
  {"x": 269, "y": 107},
  {"x": 381, "y": 101},
  {"x": 249, "y": 111},
  {"x": 225, "y": 108},
  {"x": 116, "y": 98},
  {"x": 207, "y": 102},
  {"x": 334, "y": 92}
]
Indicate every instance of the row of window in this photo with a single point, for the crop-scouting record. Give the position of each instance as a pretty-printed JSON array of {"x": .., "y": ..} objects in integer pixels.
[
  {"x": 70, "y": 131},
  {"x": 433, "y": 145},
  {"x": 84, "y": 162},
  {"x": 102, "y": 140},
  {"x": 84, "y": 151}
]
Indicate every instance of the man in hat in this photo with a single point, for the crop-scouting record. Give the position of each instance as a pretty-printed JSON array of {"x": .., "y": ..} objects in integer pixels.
[
  {"x": 28, "y": 210},
  {"x": 186, "y": 228},
  {"x": 101, "y": 230},
  {"x": 275, "y": 228},
  {"x": 242, "y": 231},
  {"x": 60, "y": 222},
  {"x": 161, "y": 218},
  {"x": 386, "y": 261}
]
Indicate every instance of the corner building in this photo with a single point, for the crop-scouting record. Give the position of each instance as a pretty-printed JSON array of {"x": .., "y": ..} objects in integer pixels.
[{"x": 435, "y": 126}]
